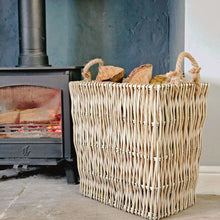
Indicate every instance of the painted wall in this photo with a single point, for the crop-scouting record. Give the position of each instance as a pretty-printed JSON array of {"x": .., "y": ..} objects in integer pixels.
[
  {"x": 176, "y": 30},
  {"x": 8, "y": 33},
  {"x": 57, "y": 28},
  {"x": 124, "y": 33},
  {"x": 202, "y": 40}
]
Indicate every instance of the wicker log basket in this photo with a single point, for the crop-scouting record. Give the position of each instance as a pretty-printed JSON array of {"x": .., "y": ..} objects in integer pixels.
[{"x": 139, "y": 146}]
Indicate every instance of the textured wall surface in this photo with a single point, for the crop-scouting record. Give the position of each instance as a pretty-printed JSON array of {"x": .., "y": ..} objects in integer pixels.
[
  {"x": 58, "y": 26},
  {"x": 177, "y": 29},
  {"x": 8, "y": 33},
  {"x": 124, "y": 33}
]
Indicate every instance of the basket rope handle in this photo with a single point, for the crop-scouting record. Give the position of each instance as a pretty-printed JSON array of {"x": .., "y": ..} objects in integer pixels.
[
  {"x": 86, "y": 73},
  {"x": 175, "y": 76}
]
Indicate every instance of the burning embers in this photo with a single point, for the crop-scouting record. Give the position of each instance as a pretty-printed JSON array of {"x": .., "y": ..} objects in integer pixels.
[
  {"x": 30, "y": 131},
  {"x": 30, "y": 112}
]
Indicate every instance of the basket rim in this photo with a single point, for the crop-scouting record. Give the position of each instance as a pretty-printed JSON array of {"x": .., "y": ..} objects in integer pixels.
[{"x": 131, "y": 85}]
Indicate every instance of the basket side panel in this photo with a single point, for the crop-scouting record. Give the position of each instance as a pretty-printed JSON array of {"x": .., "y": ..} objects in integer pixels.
[{"x": 138, "y": 147}]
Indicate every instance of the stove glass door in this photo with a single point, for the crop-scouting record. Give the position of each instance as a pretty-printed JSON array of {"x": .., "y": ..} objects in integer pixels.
[{"x": 30, "y": 112}]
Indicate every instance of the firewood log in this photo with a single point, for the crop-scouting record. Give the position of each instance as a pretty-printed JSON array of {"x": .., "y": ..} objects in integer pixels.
[
  {"x": 49, "y": 113},
  {"x": 110, "y": 73},
  {"x": 11, "y": 117},
  {"x": 141, "y": 74},
  {"x": 37, "y": 116}
]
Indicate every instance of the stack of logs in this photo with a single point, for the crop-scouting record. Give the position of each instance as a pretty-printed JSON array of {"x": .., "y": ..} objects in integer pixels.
[{"x": 29, "y": 105}]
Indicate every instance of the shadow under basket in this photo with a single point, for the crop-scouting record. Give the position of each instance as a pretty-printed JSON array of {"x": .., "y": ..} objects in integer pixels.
[{"x": 138, "y": 146}]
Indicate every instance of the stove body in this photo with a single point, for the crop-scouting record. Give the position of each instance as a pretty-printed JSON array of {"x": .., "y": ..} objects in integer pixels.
[
  {"x": 31, "y": 133},
  {"x": 35, "y": 119}
]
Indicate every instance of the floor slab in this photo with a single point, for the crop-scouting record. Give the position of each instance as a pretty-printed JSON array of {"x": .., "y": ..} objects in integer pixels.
[{"x": 41, "y": 197}]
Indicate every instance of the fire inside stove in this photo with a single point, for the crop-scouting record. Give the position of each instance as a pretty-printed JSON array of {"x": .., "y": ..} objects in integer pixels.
[{"x": 30, "y": 112}]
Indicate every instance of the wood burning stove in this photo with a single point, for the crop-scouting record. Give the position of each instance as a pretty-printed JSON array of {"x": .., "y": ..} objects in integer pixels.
[
  {"x": 35, "y": 119},
  {"x": 35, "y": 122}
]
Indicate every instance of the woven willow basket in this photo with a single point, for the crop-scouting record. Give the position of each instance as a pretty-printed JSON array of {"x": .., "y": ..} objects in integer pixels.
[{"x": 138, "y": 146}]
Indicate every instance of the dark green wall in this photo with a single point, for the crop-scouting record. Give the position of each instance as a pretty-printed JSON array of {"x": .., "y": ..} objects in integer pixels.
[
  {"x": 8, "y": 33},
  {"x": 124, "y": 33},
  {"x": 177, "y": 30}
]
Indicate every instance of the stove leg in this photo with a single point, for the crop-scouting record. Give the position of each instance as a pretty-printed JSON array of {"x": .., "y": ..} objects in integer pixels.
[{"x": 71, "y": 173}]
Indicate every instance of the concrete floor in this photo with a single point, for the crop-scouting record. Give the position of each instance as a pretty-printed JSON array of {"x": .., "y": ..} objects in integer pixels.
[{"x": 41, "y": 197}]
